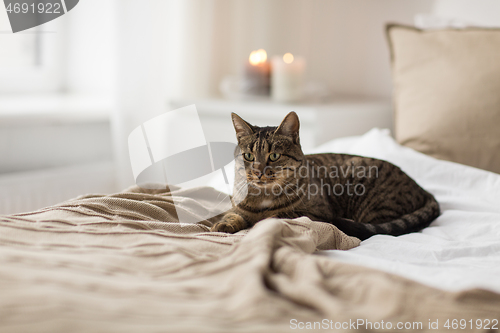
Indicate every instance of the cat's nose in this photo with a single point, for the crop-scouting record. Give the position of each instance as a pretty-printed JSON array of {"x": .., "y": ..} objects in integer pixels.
[
  {"x": 257, "y": 173},
  {"x": 258, "y": 169}
]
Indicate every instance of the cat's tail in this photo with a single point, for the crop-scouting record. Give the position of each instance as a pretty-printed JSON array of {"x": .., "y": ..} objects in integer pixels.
[{"x": 411, "y": 222}]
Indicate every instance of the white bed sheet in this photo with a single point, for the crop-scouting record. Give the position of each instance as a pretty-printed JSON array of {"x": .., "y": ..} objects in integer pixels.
[{"x": 460, "y": 249}]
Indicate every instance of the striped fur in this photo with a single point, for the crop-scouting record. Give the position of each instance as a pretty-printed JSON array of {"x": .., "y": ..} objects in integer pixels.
[{"x": 362, "y": 196}]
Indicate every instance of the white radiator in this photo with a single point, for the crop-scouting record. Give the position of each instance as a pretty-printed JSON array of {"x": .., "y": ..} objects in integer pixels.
[{"x": 28, "y": 191}]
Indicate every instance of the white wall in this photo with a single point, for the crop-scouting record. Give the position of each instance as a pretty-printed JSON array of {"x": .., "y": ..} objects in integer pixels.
[
  {"x": 475, "y": 12},
  {"x": 343, "y": 41},
  {"x": 346, "y": 46}
]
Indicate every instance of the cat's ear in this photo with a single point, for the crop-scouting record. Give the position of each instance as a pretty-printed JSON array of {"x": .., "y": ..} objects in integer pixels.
[
  {"x": 241, "y": 127},
  {"x": 290, "y": 125}
]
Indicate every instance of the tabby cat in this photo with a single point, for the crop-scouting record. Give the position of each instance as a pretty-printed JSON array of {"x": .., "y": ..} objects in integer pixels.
[{"x": 362, "y": 196}]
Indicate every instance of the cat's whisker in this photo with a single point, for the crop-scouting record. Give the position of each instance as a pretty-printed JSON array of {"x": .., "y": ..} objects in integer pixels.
[{"x": 239, "y": 190}]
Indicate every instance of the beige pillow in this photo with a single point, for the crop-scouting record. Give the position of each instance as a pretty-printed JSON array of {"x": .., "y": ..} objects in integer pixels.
[{"x": 447, "y": 93}]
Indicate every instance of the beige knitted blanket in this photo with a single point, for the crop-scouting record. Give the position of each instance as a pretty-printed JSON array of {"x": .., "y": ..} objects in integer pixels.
[{"x": 121, "y": 263}]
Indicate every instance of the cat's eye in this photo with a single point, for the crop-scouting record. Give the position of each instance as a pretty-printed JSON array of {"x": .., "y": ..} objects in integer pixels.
[
  {"x": 249, "y": 157},
  {"x": 274, "y": 157}
]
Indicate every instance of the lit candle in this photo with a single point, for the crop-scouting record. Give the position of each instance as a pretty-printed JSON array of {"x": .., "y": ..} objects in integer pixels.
[
  {"x": 287, "y": 78},
  {"x": 257, "y": 74}
]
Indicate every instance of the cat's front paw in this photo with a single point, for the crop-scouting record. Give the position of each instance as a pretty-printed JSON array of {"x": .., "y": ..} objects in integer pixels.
[
  {"x": 223, "y": 227},
  {"x": 230, "y": 224}
]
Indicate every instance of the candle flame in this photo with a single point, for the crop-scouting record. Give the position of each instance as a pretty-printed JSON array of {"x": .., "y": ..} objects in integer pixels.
[
  {"x": 288, "y": 58},
  {"x": 257, "y": 57}
]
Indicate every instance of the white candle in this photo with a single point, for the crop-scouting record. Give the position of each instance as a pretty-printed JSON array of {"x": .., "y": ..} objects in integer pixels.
[
  {"x": 257, "y": 74},
  {"x": 287, "y": 78}
]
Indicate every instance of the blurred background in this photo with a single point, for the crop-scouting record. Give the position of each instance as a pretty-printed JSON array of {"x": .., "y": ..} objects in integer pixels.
[{"x": 73, "y": 89}]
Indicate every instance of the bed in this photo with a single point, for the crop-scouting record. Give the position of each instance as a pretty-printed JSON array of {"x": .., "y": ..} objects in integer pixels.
[{"x": 113, "y": 264}]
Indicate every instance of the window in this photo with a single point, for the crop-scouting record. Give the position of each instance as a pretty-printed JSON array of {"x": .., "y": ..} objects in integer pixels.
[{"x": 30, "y": 61}]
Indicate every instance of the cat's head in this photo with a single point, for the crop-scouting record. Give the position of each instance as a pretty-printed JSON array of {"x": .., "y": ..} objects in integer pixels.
[{"x": 271, "y": 155}]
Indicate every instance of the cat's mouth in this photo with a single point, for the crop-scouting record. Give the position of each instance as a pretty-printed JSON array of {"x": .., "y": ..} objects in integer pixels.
[{"x": 263, "y": 181}]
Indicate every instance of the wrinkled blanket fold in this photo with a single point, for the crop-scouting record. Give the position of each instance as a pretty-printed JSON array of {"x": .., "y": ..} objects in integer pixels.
[{"x": 123, "y": 263}]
